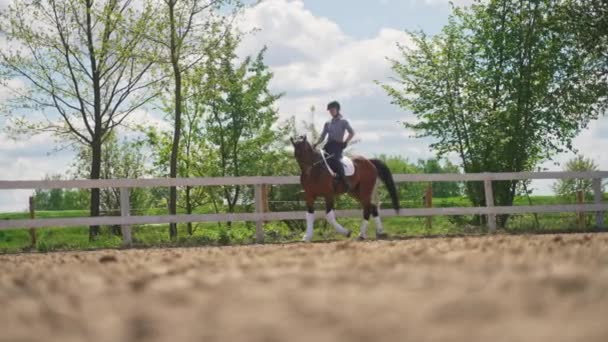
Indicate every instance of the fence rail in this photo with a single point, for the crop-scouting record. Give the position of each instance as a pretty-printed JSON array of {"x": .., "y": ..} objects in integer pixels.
[
  {"x": 284, "y": 180},
  {"x": 260, "y": 215}
]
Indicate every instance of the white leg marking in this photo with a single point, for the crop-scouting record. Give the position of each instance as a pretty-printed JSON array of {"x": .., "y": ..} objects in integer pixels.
[
  {"x": 331, "y": 218},
  {"x": 379, "y": 228},
  {"x": 310, "y": 223},
  {"x": 363, "y": 231}
]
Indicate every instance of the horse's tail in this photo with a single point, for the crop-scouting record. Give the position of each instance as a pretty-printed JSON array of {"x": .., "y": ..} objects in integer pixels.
[{"x": 384, "y": 173}]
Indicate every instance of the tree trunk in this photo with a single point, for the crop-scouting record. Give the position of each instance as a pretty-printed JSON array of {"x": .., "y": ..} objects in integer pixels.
[
  {"x": 189, "y": 208},
  {"x": 95, "y": 194},
  {"x": 178, "y": 118}
]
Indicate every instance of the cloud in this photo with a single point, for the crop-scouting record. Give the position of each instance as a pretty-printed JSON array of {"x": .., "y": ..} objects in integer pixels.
[
  {"x": 445, "y": 2},
  {"x": 28, "y": 159},
  {"x": 314, "y": 62},
  {"x": 291, "y": 32}
]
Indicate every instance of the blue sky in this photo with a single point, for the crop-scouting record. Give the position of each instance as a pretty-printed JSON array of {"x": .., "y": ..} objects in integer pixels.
[
  {"x": 362, "y": 19},
  {"x": 319, "y": 50}
]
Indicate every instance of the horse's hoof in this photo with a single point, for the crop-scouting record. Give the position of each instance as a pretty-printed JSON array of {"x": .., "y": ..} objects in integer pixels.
[
  {"x": 360, "y": 238},
  {"x": 348, "y": 233},
  {"x": 381, "y": 236},
  {"x": 305, "y": 240}
]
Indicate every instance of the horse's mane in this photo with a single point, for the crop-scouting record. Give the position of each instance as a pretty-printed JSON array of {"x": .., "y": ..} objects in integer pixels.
[{"x": 316, "y": 154}]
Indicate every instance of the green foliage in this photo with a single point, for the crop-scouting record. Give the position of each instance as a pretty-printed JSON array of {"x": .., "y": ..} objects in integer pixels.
[
  {"x": 413, "y": 193},
  {"x": 212, "y": 234},
  {"x": 568, "y": 188},
  {"x": 120, "y": 160},
  {"x": 441, "y": 189},
  {"x": 504, "y": 86},
  {"x": 60, "y": 199},
  {"x": 587, "y": 22}
]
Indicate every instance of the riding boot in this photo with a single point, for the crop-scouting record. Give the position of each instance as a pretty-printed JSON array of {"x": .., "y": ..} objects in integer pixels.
[{"x": 342, "y": 177}]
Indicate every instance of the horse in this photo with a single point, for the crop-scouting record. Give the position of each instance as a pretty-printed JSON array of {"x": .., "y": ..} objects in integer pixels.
[{"x": 317, "y": 181}]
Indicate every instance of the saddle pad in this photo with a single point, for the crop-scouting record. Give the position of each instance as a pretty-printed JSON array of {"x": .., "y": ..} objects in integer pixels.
[{"x": 349, "y": 167}]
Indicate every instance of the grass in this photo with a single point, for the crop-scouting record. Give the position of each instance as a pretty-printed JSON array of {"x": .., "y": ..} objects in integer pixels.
[{"x": 76, "y": 238}]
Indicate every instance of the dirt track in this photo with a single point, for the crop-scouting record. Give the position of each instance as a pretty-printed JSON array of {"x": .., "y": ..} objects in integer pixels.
[{"x": 530, "y": 288}]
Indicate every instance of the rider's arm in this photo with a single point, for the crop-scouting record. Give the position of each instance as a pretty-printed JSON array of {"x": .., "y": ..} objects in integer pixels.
[
  {"x": 351, "y": 132},
  {"x": 323, "y": 135}
]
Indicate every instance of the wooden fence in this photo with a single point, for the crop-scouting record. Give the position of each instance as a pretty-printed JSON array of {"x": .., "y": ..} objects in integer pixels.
[{"x": 262, "y": 215}]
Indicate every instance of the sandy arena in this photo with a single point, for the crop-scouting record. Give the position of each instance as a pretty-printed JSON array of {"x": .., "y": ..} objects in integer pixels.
[{"x": 499, "y": 288}]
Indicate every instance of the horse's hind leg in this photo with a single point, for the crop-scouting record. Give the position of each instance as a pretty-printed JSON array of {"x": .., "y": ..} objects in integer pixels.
[
  {"x": 363, "y": 231},
  {"x": 310, "y": 218},
  {"x": 380, "y": 234},
  {"x": 331, "y": 217},
  {"x": 364, "y": 195}
]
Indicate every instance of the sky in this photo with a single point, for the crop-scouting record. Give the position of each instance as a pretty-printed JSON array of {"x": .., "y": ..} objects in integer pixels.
[{"x": 319, "y": 51}]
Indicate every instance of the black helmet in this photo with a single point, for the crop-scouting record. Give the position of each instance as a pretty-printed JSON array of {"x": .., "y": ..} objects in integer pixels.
[{"x": 333, "y": 104}]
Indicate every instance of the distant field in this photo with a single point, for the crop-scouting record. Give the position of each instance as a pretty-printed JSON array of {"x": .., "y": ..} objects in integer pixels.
[{"x": 243, "y": 233}]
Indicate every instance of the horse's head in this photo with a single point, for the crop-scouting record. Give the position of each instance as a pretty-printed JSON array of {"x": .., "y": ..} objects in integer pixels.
[{"x": 303, "y": 151}]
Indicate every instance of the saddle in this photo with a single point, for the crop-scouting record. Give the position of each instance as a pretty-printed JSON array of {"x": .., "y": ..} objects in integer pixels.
[{"x": 347, "y": 163}]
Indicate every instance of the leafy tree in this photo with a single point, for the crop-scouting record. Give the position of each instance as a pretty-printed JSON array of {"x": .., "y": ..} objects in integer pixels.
[
  {"x": 196, "y": 159},
  {"x": 441, "y": 189},
  {"x": 181, "y": 33},
  {"x": 77, "y": 60},
  {"x": 119, "y": 160},
  {"x": 587, "y": 22},
  {"x": 242, "y": 122},
  {"x": 569, "y": 187},
  {"x": 60, "y": 199},
  {"x": 504, "y": 85},
  {"x": 229, "y": 129}
]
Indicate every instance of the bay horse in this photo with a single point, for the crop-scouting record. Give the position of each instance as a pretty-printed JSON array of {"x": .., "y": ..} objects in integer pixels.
[{"x": 317, "y": 181}]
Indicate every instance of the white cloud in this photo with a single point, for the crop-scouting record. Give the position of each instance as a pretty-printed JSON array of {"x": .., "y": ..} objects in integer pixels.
[
  {"x": 287, "y": 26},
  {"x": 445, "y": 2},
  {"x": 28, "y": 159},
  {"x": 349, "y": 69},
  {"x": 314, "y": 62},
  {"x": 8, "y": 89}
]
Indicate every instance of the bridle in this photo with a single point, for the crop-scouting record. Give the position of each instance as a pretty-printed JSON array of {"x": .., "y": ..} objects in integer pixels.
[{"x": 323, "y": 160}]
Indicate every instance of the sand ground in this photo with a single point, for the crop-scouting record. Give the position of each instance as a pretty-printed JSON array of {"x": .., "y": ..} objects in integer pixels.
[{"x": 496, "y": 288}]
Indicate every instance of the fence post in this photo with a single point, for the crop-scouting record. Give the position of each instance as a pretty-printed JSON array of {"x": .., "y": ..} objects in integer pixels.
[
  {"x": 259, "y": 208},
  {"x": 428, "y": 202},
  {"x": 33, "y": 216},
  {"x": 580, "y": 199},
  {"x": 265, "y": 196},
  {"x": 489, "y": 193},
  {"x": 125, "y": 211},
  {"x": 597, "y": 199}
]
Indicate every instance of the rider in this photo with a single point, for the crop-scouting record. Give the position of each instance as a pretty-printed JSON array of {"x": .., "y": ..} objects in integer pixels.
[{"x": 334, "y": 130}]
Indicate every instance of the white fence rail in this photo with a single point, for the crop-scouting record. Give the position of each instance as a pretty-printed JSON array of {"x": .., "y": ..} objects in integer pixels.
[{"x": 259, "y": 216}]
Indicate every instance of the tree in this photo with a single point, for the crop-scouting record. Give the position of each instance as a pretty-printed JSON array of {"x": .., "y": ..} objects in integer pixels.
[
  {"x": 504, "y": 85},
  {"x": 229, "y": 126},
  {"x": 441, "y": 189},
  {"x": 587, "y": 21},
  {"x": 196, "y": 158},
  {"x": 241, "y": 120},
  {"x": 569, "y": 187},
  {"x": 120, "y": 160},
  {"x": 81, "y": 74},
  {"x": 59, "y": 199},
  {"x": 181, "y": 34}
]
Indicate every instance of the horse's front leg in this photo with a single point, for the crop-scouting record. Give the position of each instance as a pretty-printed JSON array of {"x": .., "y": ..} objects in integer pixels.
[
  {"x": 310, "y": 217},
  {"x": 331, "y": 217}
]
